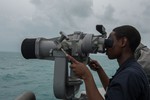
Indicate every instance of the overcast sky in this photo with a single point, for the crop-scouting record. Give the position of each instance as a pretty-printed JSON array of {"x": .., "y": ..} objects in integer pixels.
[{"x": 21, "y": 19}]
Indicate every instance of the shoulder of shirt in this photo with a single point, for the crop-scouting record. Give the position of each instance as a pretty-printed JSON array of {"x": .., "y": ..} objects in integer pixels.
[{"x": 134, "y": 71}]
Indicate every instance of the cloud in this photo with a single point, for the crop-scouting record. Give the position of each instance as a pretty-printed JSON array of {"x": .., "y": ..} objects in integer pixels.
[
  {"x": 108, "y": 17},
  {"x": 145, "y": 19},
  {"x": 46, "y": 18},
  {"x": 36, "y": 2},
  {"x": 80, "y": 8},
  {"x": 65, "y": 15}
]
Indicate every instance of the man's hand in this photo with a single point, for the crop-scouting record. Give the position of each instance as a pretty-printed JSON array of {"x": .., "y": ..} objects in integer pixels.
[
  {"x": 94, "y": 65},
  {"x": 79, "y": 68}
]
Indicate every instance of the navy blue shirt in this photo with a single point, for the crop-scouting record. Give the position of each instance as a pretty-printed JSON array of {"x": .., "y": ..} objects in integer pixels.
[{"x": 128, "y": 83}]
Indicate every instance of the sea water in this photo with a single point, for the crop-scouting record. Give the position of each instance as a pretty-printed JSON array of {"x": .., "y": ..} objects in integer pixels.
[{"x": 18, "y": 75}]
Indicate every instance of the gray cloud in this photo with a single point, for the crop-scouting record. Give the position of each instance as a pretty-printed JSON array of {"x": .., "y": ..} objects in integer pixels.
[
  {"x": 64, "y": 15},
  {"x": 108, "y": 15},
  {"x": 145, "y": 20},
  {"x": 45, "y": 18},
  {"x": 80, "y": 8},
  {"x": 49, "y": 17},
  {"x": 36, "y": 2}
]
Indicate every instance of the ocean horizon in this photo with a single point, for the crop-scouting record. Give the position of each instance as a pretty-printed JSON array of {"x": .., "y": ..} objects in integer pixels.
[{"x": 18, "y": 75}]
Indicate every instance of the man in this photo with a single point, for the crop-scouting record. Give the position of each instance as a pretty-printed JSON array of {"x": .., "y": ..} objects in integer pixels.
[
  {"x": 142, "y": 54},
  {"x": 129, "y": 82}
]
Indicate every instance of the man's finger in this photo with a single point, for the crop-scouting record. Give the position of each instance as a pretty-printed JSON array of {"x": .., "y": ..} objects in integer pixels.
[
  {"x": 72, "y": 59},
  {"x": 94, "y": 65}
]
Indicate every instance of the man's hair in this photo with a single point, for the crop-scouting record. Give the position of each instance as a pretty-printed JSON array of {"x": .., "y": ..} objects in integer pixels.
[{"x": 130, "y": 33}]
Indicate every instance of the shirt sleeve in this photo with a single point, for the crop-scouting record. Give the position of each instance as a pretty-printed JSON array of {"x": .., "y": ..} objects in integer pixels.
[{"x": 114, "y": 92}]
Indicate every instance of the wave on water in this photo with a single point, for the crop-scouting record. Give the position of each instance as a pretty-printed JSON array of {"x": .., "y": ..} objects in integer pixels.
[{"x": 18, "y": 75}]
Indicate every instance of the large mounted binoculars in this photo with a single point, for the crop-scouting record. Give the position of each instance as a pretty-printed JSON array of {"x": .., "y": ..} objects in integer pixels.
[{"x": 79, "y": 45}]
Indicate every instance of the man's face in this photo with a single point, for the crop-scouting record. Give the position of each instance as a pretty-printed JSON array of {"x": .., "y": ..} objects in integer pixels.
[{"x": 115, "y": 51}]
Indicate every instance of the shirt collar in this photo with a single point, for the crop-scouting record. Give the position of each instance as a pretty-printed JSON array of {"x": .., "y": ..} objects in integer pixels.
[{"x": 125, "y": 64}]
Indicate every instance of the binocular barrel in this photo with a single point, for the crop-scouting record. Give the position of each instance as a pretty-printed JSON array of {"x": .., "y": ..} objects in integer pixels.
[
  {"x": 42, "y": 48},
  {"x": 37, "y": 48}
]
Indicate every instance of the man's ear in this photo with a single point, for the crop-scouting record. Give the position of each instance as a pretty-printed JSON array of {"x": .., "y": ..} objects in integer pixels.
[{"x": 124, "y": 41}]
